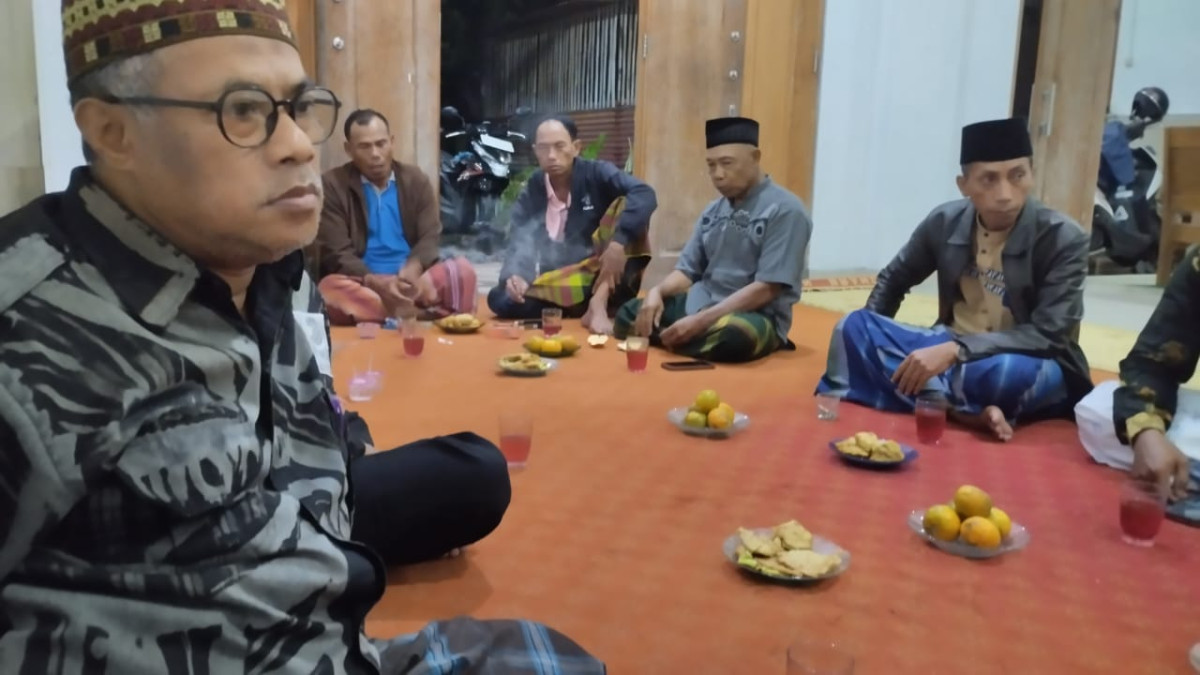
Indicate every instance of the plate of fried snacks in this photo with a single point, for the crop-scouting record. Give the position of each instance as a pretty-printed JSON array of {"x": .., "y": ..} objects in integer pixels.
[
  {"x": 459, "y": 323},
  {"x": 868, "y": 450},
  {"x": 788, "y": 553},
  {"x": 526, "y": 365}
]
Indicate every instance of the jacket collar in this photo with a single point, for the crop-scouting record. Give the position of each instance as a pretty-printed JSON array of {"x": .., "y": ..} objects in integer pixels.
[
  {"x": 357, "y": 179},
  {"x": 1020, "y": 238},
  {"x": 151, "y": 277}
]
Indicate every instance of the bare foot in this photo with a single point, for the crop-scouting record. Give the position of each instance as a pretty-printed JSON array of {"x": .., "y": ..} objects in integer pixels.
[
  {"x": 990, "y": 420},
  {"x": 597, "y": 323},
  {"x": 997, "y": 424}
]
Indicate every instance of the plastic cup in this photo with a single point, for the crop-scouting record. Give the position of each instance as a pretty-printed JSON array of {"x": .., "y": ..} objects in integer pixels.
[
  {"x": 516, "y": 437},
  {"x": 551, "y": 321},
  {"x": 827, "y": 407},
  {"x": 1143, "y": 507},
  {"x": 637, "y": 353},
  {"x": 413, "y": 333},
  {"x": 930, "y": 414},
  {"x": 817, "y": 657}
]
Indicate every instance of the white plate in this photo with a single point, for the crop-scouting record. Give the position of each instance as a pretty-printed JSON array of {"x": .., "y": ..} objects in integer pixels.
[
  {"x": 676, "y": 416},
  {"x": 551, "y": 365},
  {"x": 1017, "y": 539},
  {"x": 820, "y": 545}
]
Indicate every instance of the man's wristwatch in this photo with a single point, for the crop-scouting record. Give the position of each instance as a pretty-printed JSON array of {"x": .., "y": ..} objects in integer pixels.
[{"x": 962, "y": 353}]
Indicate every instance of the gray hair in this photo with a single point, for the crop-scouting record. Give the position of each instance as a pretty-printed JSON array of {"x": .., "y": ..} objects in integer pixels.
[{"x": 130, "y": 76}]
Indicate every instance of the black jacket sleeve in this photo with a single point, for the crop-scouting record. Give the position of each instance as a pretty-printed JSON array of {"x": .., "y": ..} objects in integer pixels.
[{"x": 1163, "y": 357}]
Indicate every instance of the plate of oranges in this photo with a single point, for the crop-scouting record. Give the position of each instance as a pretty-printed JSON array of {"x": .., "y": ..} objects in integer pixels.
[
  {"x": 708, "y": 416},
  {"x": 552, "y": 347},
  {"x": 970, "y": 526}
]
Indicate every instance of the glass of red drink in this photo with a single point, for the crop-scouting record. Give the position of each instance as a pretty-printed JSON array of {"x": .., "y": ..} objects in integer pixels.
[
  {"x": 1143, "y": 507},
  {"x": 413, "y": 332},
  {"x": 637, "y": 353},
  {"x": 931, "y": 417},
  {"x": 516, "y": 437},
  {"x": 551, "y": 320}
]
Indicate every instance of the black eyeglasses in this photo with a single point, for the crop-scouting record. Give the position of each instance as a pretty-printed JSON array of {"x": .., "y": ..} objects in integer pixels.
[{"x": 248, "y": 116}]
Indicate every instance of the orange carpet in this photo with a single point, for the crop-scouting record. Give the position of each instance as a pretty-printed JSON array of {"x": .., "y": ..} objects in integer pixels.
[{"x": 615, "y": 528}]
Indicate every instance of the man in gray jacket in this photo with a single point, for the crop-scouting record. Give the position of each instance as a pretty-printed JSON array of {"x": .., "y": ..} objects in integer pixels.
[{"x": 1010, "y": 297}]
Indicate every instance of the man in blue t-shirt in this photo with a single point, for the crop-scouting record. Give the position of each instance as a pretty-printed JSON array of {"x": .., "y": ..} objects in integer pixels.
[{"x": 377, "y": 251}]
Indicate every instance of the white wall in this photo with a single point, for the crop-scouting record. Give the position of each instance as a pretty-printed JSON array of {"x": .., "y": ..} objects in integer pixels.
[
  {"x": 1158, "y": 44},
  {"x": 899, "y": 80},
  {"x": 61, "y": 145}
]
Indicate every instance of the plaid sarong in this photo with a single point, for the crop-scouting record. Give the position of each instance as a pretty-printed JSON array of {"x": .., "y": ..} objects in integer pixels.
[
  {"x": 572, "y": 285},
  {"x": 733, "y": 338}
]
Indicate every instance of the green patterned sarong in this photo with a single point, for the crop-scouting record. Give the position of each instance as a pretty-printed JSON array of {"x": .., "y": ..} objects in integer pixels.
[{"x": 741, "y": 336}]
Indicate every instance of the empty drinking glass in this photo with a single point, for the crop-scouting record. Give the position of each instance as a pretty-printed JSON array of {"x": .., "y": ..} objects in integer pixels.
[
  {"x": 818, "y": 657},
  {"x": 827, "y": 407}
]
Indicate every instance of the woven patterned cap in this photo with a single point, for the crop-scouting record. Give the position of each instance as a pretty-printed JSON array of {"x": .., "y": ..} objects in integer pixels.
[{"x": 95, "y": 32}]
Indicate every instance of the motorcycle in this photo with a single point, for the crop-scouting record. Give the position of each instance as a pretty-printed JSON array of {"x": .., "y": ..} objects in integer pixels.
[
  {"x": 476, "y": 167},
  {"x": 1125, "y": 220}
]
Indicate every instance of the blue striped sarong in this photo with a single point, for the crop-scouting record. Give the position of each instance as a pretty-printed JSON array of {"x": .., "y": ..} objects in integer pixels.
[{"x": 866, "y": 349}]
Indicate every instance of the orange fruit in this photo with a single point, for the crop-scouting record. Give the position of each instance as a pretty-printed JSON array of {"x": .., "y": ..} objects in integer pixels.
[
  {"x": 970, "y": 501},
  {"x": 1001, "y": 520},
  {"x": 534, "y": 343},
  {"x": 551, "y": 347},
  {"x": 696, "y": 419},
  {"x": 981, "y": 532},
  {"x": 719, "y": 418},
  {"x": 726, "y": 407},
  {"x": 707, "y": 400},
  {"x": 569, "y": 344},
  {"x": 941, "y": 522}
]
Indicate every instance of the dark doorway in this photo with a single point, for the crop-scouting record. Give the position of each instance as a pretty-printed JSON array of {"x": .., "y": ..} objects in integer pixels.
[
  {"x": 1027, "y": 53},
  {"x": 506, "y": 64}
]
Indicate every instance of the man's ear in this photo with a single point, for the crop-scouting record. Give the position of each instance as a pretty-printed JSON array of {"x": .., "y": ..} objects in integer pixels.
[
  {"x": 346, "y": 147},
  {"x": 756, "y": 154},
  {"x": 962, "y": 184},
  {"x": 106, "y": 129},
  {"x": 578, "y": 143}
]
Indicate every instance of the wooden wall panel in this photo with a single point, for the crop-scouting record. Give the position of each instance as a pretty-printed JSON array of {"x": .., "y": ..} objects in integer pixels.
[
  {"x": 781, "y": 92},
  {"x": 1070, "y": 95},
  {"x": 690, "y": 70},
  {"x": 389, "y": 60},
  {"x": 302, "y": 15},
  {"x": 617, "y": 126}
]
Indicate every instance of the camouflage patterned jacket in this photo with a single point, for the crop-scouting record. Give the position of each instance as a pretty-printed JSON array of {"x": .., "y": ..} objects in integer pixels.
[
  {"x": 173, "y": 493},
  {"x": 1163, "y": 357}
]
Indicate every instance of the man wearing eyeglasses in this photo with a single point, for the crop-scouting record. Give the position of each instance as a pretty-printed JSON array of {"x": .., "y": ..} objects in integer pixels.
[
  {"x": 377, "y": 248},
  {"x": 578, "y": 235},
  {"x": 173, "y": 484}
]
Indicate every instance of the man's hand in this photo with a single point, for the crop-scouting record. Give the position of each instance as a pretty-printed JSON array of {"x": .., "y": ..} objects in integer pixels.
[
  {"x": 1156, "y": 458},
  {"x": 919, "y": 366},
  {"x": 612, "y": 264},
  {"x": 390, "y": 292},
  {"x": 516, "y": 287},
  {"x": 410, "y": 275},
  {"x": 649, "y": 314},
  {"x": 683, "y": 331}
]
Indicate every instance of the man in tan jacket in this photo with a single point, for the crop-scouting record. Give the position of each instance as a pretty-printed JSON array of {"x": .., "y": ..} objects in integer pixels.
[{"x": 377, "y": 250}]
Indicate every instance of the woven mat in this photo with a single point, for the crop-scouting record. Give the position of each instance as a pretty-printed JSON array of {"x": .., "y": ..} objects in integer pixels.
[{"x": 615, "y": 529}]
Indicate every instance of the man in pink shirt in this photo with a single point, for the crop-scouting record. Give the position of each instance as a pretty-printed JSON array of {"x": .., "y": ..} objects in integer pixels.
[{"x": 565, "y": 248}]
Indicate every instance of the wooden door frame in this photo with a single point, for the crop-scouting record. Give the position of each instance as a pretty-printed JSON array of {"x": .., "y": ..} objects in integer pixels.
[
  {"x": 789, "y": 123},
  {"x": 1070, "y": 101},
  {"x": 386, "y": 56}
]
